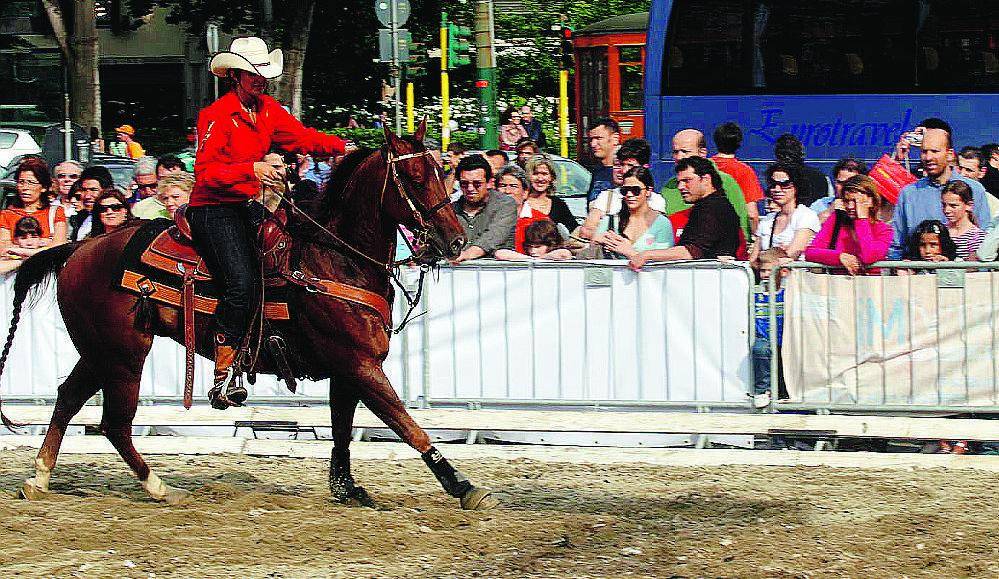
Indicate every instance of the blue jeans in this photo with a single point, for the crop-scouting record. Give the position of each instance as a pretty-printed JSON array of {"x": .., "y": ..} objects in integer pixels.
[
  {"x": 225, "y": 238},
  {"x": 761, "y": 368}
]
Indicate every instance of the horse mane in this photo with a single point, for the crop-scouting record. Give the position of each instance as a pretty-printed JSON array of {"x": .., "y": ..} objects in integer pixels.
[{"x": 338, "y": 180}]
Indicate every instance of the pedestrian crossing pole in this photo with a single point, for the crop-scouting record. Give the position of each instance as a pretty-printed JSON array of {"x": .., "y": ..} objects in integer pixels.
[
  {"x": 563, "y": 112},
  {"x": 410, "y": 106},
  {"x": 567, "y": 62},
  {"x": 445, "y": 88}
]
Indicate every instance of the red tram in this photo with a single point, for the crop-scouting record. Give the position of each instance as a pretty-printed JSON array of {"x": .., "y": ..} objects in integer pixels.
[{"x": 610, "y": 63}]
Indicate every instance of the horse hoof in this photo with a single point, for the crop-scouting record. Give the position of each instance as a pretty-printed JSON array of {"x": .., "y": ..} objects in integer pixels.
[
  {"x": 357, "y": 497},
  {"x": 30, "y": 492},
  {"x": 478, "y": 499},
  {"x": 175, "y": 496}
]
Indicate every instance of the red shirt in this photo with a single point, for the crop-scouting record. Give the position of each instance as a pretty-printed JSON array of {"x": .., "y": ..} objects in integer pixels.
[
  {"x": 743, "y": 175},
  {"x": 521, "y": 229},
  {"x": 10, "y": 216},
  {"x": 229, "y": 144}
]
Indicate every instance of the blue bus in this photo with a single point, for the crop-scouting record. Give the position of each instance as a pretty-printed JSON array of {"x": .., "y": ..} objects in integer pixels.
[{"x": 847, "y": 77}]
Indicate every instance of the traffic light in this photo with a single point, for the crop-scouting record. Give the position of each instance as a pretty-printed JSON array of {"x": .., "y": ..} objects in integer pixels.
[
  {"x": 458, "y": 43},
  {"x": 566, "y": 41}
]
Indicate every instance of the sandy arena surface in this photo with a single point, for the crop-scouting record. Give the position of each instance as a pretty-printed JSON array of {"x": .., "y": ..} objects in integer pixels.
[{"x": 271, "y": 517}]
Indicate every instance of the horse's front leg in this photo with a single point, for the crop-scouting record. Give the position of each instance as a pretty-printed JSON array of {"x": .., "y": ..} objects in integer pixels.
[
  {"x": 380, "y": 397},
  {"x": 342, "y": 485}
]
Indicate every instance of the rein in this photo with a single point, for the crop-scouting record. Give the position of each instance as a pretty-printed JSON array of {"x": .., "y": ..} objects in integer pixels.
[{"x": 390, "y": 268}]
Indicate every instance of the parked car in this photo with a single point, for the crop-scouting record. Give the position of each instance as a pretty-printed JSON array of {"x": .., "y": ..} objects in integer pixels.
[{"x": 15, "y": 143}]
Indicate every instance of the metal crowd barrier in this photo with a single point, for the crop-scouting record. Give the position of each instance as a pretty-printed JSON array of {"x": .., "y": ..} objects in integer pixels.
[
  {"x": 882, "y": 343},
  {"x": 498, "y": 333}
]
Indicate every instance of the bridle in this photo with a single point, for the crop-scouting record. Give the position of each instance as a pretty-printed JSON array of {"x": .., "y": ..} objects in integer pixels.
[
  {"x": 422, "y": 236},
  {"x": 420, "y": 214}
]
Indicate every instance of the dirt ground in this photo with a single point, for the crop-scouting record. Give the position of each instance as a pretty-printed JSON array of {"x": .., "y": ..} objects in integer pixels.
[{"x": 271, "y": 517}]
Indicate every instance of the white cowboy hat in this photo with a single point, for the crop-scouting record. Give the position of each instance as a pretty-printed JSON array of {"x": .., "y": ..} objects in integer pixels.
[{"x": 248, "y": 53}]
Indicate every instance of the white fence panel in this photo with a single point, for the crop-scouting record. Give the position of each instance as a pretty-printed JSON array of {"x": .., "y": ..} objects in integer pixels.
[{"x": 497, "y": 332}]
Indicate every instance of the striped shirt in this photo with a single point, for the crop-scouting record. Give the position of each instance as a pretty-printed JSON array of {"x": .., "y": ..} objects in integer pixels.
[{"x": 967, "y": 243}]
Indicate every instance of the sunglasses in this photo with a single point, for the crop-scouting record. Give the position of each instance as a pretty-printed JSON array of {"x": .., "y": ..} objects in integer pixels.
[
  {"x": 147, "y": 185},
  {"x": 785, "y": 184},
  {"x": 631, "y": 191},
  {"x": 113, "y": 207}
]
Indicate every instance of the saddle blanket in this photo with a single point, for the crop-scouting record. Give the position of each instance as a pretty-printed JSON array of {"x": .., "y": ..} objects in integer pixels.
[{"x": 154, "y": 274}]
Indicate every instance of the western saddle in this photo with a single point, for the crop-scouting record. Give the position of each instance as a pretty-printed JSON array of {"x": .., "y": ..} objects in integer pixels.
[{"x": 172, "y": 252}]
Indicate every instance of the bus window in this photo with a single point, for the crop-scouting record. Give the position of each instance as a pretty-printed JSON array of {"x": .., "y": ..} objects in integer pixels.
[
  {"x": 630, "y": 70},
  {"x": 592, "y": 74},
  {"x": 957, "y": 46},
  {"x": 825, "y": 46},
  {"x": 704, "y": 48},
  {"x": 836, "y": 46}
]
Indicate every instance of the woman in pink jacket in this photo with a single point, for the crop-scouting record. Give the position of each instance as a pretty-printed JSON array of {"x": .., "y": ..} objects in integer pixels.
[{"x": 853, "y": 238}]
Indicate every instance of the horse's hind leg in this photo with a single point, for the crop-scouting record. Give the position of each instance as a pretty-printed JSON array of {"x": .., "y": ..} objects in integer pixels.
[
  {"x": 79, "y": 386},
  {"x": 343, "y": 403},
  {"x": 121, "y": 399},
  {"x": 379, "y": 396}
]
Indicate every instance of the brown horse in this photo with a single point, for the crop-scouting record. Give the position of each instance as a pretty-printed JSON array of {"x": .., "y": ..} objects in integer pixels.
[{"x": 368, "y": 196}]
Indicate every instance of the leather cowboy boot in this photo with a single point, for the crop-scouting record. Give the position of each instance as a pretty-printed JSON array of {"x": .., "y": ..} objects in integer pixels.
[{"x": 227, "y": 391}]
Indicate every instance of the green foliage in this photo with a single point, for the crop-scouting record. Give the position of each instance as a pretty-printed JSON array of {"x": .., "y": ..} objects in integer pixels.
[
  {"x": 531, "y": 66},
  {"x": 374, "y": 138}
]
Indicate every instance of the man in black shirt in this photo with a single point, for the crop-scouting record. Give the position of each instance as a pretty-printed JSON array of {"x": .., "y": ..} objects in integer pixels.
[{"x": 713, "y": 227}]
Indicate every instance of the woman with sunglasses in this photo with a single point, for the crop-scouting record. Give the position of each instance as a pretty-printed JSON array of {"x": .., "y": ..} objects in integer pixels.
[
  {"x": 34, "y": 182},
  {"x": 639, "y": 227},
  {"x": 111, "y": 210},
  {"x": 791, "y": 226}
]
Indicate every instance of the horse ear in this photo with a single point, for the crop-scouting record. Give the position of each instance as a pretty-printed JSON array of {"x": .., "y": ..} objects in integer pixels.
[
  {"x": 390, "y": 137},
  {"x": 421, "y": 131}
]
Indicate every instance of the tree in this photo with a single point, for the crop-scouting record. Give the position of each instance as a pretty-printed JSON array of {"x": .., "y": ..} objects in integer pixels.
[
  {"x": 295, "y": 40},
  {"x": 287, "y": 20},
  {"x": 80, "y": 51}
]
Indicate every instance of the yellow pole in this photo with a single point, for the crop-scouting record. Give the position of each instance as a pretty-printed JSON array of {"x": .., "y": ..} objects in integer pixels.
[
  {"x": 563, "y": 112},
  {"x": 410, "y": 105},
  {"x": 445, "y": 92}
]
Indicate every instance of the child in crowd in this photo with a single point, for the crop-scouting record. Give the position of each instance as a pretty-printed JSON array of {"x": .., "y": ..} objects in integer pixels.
[
  {"x": 854, "y": 237},
  {"x": 958, "y": 207},
  {"x": 931, "y": 241},
  {"x": 541, "y": 241},
  {"x": 764, "y": 263},
  {"x": 27, "y": 235}
]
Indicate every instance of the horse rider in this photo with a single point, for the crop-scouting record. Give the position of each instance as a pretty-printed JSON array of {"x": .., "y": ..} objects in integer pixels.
[{"x": 233, "y": 135}]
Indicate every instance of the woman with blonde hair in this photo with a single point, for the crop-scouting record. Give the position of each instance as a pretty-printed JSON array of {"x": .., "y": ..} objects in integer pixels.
[
  {"x": 854, "y": 237},
  {"x": 541, "y": 198}
]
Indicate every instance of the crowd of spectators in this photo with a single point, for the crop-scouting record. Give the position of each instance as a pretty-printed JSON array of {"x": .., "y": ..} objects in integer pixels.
[
  {"x": 72, "y": 203},
  {"x": 844, "y": 220}
]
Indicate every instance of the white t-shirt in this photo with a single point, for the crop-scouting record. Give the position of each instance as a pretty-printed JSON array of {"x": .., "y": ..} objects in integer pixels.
[{"x": 802, "y": 218}]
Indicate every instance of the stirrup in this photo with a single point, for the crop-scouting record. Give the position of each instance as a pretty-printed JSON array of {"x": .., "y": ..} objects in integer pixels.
[{"x": 235, "y": 395}]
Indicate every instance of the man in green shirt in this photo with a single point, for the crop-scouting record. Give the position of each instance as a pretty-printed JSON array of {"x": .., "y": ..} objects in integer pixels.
[{"x": 691, "y": 143}]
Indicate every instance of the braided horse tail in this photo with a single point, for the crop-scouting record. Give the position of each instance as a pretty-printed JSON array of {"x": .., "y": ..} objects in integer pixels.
[{"x": 35, "y": 270}]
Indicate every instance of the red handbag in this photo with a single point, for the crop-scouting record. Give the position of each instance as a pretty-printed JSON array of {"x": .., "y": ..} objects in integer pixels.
[{"x": 890, "y": 176}]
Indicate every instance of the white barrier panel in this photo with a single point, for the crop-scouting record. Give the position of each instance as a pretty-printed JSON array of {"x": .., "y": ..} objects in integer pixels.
[
  {"x": 910, "y": 341},
  {"x": 544, "y": 332},
  {"x": 589, "y": 332}
]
